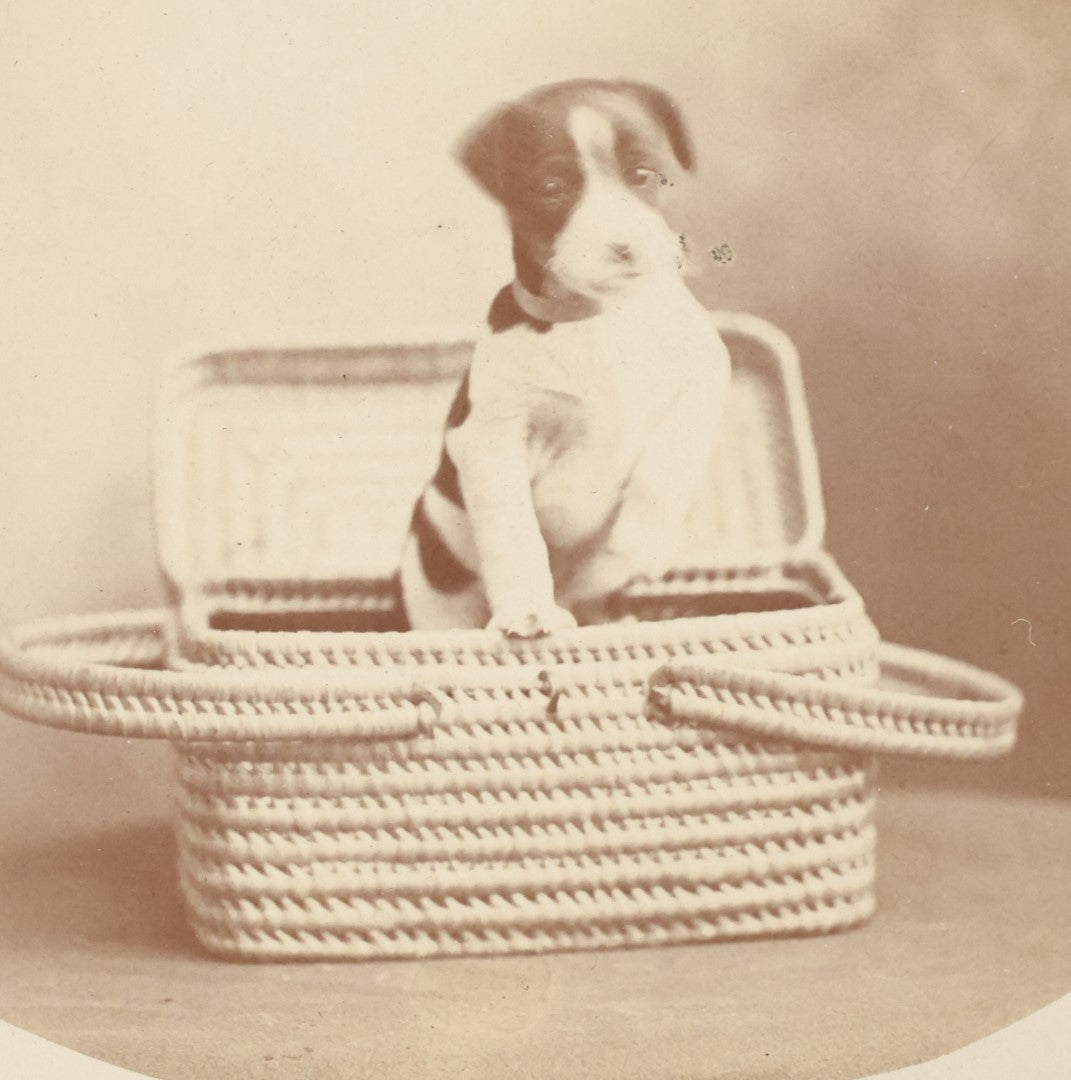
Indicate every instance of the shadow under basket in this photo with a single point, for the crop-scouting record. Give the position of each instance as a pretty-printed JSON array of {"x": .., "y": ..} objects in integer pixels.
[{"x": 697, "y": 763}]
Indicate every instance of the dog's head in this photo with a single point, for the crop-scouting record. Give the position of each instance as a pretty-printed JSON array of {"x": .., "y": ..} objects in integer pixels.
[{"x": 580, "y": 168}]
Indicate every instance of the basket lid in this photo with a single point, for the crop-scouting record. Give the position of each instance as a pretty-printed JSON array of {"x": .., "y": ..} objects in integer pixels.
[{"x": 301, "y": 464}]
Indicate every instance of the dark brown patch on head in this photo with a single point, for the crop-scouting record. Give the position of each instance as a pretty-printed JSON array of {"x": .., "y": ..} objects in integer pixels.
[
  {"x": 530, "y": 135},
  {"x": 524, "y": 157},
  {"x": 666, "y": 111}
]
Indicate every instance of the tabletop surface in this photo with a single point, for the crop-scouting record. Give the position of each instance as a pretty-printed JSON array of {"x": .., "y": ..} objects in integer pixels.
[{"x": 973, "y": 932}]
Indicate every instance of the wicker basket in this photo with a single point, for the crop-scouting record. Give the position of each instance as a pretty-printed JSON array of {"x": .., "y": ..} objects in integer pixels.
[{"x": 700, "y": 766}]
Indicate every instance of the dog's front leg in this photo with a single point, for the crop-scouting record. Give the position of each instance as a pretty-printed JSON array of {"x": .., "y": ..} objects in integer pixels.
[
  {"x": 651, "y": 529},
  {"x": 492, "y": 462}
]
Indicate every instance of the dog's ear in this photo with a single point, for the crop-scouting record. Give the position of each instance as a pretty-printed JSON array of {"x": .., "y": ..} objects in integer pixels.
[
  {"x": 484, "y": 150},
  {"x": 668, "y": 114}
]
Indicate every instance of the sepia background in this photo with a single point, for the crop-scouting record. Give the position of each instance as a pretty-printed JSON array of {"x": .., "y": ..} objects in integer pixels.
[{"x": 892, "y": 180}]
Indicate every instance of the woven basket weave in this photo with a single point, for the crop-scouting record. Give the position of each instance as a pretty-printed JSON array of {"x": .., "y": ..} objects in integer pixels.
[{"x": 700, "y": 766}]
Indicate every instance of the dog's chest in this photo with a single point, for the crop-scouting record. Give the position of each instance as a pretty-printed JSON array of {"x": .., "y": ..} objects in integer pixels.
[
  {"x": 589, "y": 386},
  {"x": 590, "y": 392}
]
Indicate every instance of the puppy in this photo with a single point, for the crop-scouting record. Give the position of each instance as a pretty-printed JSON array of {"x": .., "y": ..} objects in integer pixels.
[{"x": 578, "y": 442}]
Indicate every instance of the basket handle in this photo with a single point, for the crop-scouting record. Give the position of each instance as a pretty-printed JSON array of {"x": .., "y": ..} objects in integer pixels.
[
  {"x": 104, "y": 675},
  {"x": 927, "y": 705}
]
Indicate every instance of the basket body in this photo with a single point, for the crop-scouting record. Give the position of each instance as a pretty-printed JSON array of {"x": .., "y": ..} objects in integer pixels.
[
  {"x": 540, "y": 801},
  {"x": 543, "y": 804}
]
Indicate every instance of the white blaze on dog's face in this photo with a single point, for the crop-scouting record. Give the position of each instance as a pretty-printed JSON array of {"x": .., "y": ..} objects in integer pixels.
[
  {"x": 581, "y": 169},
  {"x": 615, "y": 234}
]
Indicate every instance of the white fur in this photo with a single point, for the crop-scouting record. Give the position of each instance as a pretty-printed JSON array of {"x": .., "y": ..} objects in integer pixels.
[{"x": 608, "y": 216}]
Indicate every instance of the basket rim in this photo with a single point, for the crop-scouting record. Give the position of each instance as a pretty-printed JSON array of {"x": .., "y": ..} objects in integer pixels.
[{"x": 838, "y": 607}]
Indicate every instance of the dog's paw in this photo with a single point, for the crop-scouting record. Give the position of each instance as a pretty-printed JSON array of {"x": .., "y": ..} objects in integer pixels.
[{"x": 533, "y": 623}]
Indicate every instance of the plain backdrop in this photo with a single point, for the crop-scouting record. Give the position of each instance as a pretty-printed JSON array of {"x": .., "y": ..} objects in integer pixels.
[{"x": 892, "y": 179}]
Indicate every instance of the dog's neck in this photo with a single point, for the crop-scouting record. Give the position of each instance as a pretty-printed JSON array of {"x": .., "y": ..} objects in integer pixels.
[
  {"x": 569, "y": 307},
  {"x": 554, "y": 306}
]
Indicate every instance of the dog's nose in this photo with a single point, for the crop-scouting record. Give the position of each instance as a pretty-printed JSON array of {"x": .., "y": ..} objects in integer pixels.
[{"x": 621, "y": 252}]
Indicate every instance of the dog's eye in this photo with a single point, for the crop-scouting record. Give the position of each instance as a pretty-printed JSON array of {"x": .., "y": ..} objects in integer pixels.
[
  {"x": 551, "y": 187},
  {"x": 640, "y": 175}
]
